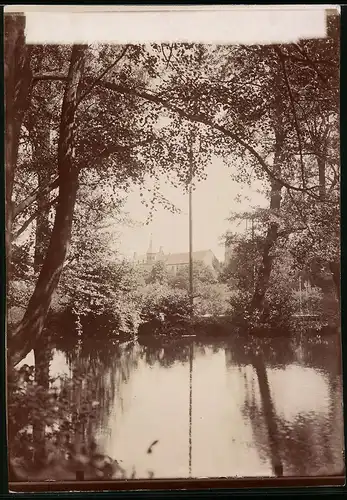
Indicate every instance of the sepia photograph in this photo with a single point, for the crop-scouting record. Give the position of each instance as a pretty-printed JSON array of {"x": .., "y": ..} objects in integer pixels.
[{"x": 172, "y": 206}]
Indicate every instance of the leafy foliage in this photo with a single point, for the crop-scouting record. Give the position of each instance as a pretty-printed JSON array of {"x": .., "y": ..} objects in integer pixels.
[
  {"x": 202, "y": 274},
  {"x": 161, "y": 303},
  {"x": 68, "y": 421},
  {"x": 212, "y": 300},
  {"x": 158, "y": 274}
]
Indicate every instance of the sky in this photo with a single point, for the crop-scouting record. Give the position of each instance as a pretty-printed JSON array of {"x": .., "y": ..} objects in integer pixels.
[{"x": 213, "y": 200}]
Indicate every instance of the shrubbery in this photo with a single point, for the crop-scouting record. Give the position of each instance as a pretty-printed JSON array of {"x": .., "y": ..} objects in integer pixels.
[
  {"x": 63, "y": 449},
  {"x": 116, "y": 299},
  {"x": 163, "y": 307},
  {"x": 212, "y": 299}
]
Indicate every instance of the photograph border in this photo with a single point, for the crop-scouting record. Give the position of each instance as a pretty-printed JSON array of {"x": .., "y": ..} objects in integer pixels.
[{"x": 179, "y": 487}]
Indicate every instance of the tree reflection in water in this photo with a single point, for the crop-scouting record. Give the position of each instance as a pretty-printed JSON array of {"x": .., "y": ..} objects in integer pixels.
[
  {"x": 269, "y": 412},
  {"x": 311, "y": 442},
  {"x": 98, "y": 373},
  {"x": 298, "y": 444},
  {"x": 165, "y": 354}
]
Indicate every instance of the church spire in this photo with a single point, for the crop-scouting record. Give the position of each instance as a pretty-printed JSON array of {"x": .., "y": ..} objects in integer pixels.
[
  {"x": 150, "y": 253},
  {"x": 150, "y": 248}
]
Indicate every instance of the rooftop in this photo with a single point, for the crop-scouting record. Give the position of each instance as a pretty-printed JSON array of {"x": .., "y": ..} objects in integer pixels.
[{"x": 176, "y": 258}]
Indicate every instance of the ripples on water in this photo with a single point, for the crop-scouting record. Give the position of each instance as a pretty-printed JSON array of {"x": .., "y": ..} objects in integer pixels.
[{"x": 252, "y": 409}]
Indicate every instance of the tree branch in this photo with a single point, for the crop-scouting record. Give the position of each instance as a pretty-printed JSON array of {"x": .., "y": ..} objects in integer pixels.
[
  {"x": 296, "y": 123},
  {"x": 195, "y": 117},
  {"x": 103, "y": 73},
  {"x": 49, "y": 77},
  {"x": 32, "y": 218},
  {"x": 203, "y": 119},
  {"x": 33, "y": 197},
  {"x": 311, "y": 63}
]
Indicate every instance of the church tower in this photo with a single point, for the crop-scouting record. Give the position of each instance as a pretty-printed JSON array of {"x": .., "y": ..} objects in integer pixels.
[{"x": 150, "y": 253}]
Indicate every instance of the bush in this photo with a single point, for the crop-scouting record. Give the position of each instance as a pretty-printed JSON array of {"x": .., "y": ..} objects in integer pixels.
[
  {"x": 212, "y": 299},
  {"x": 308, "y": 302},
  {"x": 102, "y": 298},
  {"x": 278, "y": 310},
  {"x": 164, "y": 305}
]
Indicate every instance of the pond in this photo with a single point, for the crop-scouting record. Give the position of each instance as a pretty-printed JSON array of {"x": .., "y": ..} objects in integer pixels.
[{"x": 216, "y": 408}]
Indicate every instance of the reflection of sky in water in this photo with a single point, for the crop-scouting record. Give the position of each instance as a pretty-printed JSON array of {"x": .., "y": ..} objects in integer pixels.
[
  {"x": 297, "y": 389},
  {"x": 58, "y": 366},
  {"x": 160, "y": 412},
  {"x": 229, "y": 425},
  {"x": 222, "y": 438}
]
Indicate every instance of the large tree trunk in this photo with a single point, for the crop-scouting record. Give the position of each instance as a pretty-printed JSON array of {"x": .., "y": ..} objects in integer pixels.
[
  {"x": 42, "y": 233},
  {"x": 23, "y": 339},
  {"x": 263, "y": 276},
  {"x": 322, "y": 150},
  {"x": 269, "y": 414},
  {"x": 18, "y": 83},
  {"x": 335, "y": 268},
  {"x": 42, "y": 348}
]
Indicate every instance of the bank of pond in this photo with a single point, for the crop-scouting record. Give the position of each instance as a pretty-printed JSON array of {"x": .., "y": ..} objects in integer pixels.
[{"x": 218, "y": 327}]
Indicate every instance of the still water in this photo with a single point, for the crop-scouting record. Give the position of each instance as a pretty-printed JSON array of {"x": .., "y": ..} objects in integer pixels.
[{"x": 217, "y": 408}]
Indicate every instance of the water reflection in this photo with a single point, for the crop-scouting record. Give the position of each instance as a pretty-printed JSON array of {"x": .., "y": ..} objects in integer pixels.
[{"x": 258, "y": 409}]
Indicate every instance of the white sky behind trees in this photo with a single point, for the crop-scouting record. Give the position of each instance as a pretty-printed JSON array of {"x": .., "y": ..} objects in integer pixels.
[{"x": 213, "y": 200}]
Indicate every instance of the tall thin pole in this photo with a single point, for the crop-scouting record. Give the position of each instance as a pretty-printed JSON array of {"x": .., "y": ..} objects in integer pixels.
[
  {"x": 253, "y": 252},
  {"x": 190, "y": 405},
  {"x": 191, "y": 159}
]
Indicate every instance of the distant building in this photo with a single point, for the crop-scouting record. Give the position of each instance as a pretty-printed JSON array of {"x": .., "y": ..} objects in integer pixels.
[{"x": 175, "y": 261}]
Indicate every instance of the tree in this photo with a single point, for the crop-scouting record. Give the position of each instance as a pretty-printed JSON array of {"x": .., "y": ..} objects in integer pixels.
[
  {"x": 22, "y": 339},
  {"x": 17, "y": 95},
  {"x": 127, "y": 153},
  {"x": 158, "y": 273},
  {"x": 202, "y": 274},
  {"x": 275, "y": 115}
]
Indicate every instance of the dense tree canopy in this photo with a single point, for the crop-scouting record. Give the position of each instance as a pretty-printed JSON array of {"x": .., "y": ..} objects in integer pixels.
[{"x": 110, "y": 116}]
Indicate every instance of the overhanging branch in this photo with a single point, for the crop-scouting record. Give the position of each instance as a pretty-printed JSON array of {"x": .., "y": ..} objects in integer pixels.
[
  {"x": 201, "y": 118},
  {"x": 195, "y": 117},
  {"x": 49, "y": 77},
  {"x": 103, "y": 73}
]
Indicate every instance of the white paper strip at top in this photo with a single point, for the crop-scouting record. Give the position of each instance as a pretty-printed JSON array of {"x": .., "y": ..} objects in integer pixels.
[{"x": 246, "y": 25}]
